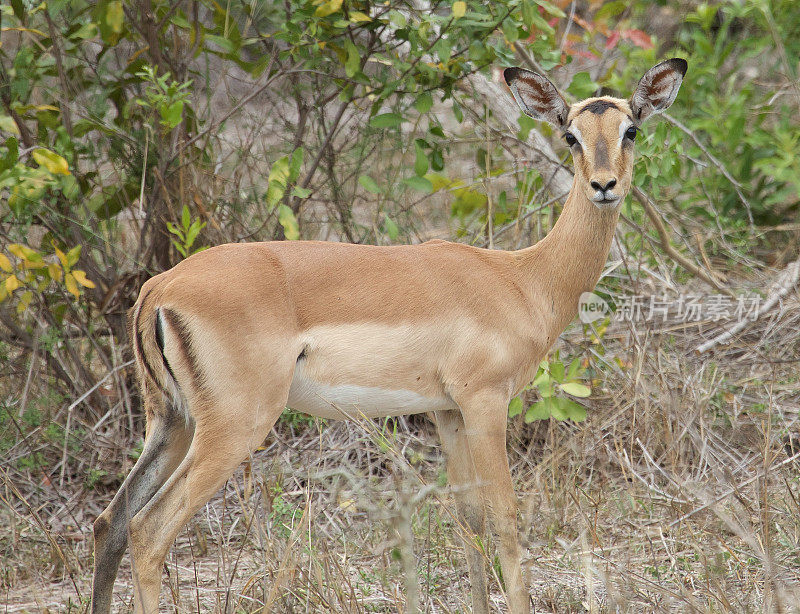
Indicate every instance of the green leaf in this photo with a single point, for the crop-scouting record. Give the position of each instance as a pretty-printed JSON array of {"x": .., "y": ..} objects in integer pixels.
[
  {"x": 572, "y": 410},
  {"x": 291, "y": 229},
  {"x": 369, "y": 184},
  {"x": 390, "y": 228},
  {"x": 457, "y": 112},
  {"x": 551, "y": 8},
  {"x": 582, "y": 85},
  {"x": 421, "y": 184},
  {"x": 295, "y": 164},
  {"x": 528, "y": 11},
  {"x": 424, "y": 102},
  {"x": 558, "y": 409},
  {"x": 175, "y": 230},
  {"x": 542, "y": 378},
  {"x": 386, "y": 120},
  {"x": 515, "y": 407},
  {"x": 611, "y": 9},
  {"x": 574, "y": 367},
  {"x": 12, "y": 155},
  {"x": 538, "y": 411},
  {"x": 577, "y": 390},
  {"x": 172, "y": 114},
  {"x": 186, "y": 218},
  {"x": 353, "y": 63},
  {"x": 301, "y": 192},
  {"x": 225, "y": 44},
  {"x": 421, "y": 162},
  {"x": 73, "y": 255},
  {"x": 557, "y": 370},
  {"x": 19, "y": 9},
  {"x": 510, "y": 30}
]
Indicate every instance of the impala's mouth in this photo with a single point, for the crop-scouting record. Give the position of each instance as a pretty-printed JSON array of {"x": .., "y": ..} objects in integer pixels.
[{"x": 604, "y": 200}]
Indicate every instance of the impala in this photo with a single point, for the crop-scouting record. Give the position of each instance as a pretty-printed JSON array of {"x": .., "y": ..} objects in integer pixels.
[{"x": 231, "y": 336}]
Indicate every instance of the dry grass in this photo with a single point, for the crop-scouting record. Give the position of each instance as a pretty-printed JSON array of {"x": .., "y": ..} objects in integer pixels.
[{"x": 678, "y": 494}]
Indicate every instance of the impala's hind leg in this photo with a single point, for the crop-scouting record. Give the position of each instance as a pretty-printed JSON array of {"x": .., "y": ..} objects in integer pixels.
[
  {"x": 461, "y": 474},
  {"x": 167, "y": 440},
  {"x": 221, "y": 442}
]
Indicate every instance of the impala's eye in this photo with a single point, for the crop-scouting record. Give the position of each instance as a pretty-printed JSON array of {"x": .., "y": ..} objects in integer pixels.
[
  {"x": 570, "y": 139},
  {"x": 631, "y": 132}
]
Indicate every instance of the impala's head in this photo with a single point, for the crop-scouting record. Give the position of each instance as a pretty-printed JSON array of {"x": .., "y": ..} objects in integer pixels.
[{"x": 599, "y": 131}]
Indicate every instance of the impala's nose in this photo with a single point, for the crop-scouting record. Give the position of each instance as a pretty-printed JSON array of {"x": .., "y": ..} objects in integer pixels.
[{"x": 603, "y": 188}]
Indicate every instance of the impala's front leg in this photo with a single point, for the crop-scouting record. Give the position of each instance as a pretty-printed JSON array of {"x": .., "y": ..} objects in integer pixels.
[{"x": 485, "y": 419}]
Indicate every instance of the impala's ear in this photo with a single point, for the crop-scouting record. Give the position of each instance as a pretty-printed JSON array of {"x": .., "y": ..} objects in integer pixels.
[
  {"x": 658, "y": 88},
  {"x": 536, "y": 96}
]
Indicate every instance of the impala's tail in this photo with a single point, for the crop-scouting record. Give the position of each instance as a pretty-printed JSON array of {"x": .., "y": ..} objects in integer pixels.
[{"x": 152, "y": 328}]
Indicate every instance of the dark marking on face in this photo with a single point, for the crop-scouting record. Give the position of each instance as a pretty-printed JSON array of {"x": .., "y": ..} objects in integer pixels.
[
  {"x": 601, "y": 159},
  {"x": 598, "y": 107}
]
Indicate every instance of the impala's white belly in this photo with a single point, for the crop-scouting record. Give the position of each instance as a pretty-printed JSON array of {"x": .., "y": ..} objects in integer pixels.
[{"x": 343, "y": 401}]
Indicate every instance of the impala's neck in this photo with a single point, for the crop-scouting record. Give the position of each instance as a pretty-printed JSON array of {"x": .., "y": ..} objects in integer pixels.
[{"x": 569, "y": 260}]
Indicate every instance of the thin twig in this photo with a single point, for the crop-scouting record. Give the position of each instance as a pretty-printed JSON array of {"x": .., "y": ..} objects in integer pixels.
[
  {"x": 666, "y": 245},
  {"x": 81, "y": 398}
]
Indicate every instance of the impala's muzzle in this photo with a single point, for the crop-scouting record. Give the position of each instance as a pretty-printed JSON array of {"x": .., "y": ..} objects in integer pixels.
[{"x": 604, "y": 195}]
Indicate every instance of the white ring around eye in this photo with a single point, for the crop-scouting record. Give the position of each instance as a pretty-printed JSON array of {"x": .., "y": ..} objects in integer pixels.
[
  {"x": 577, "y": 134},
  {"x": 623, "y": 128}
]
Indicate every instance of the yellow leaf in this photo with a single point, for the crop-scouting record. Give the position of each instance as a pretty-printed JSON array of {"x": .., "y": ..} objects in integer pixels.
[
  {"x": 21, "y": 29},
  {"x": 24, "y": 252},
  {"x": 7, "y": 124},
  {"x": 5, "y": 263},
  {"x": 115, "y": 16},
  {"x": 12, "y": 283},
  {"x": 459, "y": 9},
  {"x": 3, "y": 293},
  {"x": 72, "y": 285},
  {"x": 36, "y": 107},
  {"x": 55, "y": 271},
  {"x": 63, "y": 258},
  {"x": 330, "y": 7},
  {"x": 358, "y": 16},
  {"x": 80, "y": 277},
  {"x": 24, "y": 301},
  {"x": 51, "y": 161},
  {"x": 345, "y": 503}
]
